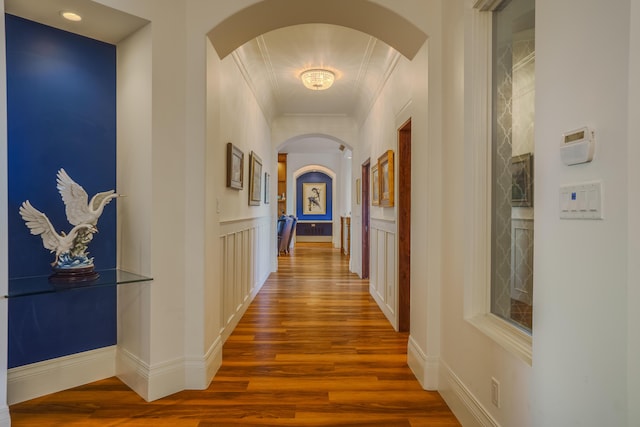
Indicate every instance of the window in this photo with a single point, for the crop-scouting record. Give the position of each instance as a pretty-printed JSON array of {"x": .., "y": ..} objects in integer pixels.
[
  {"x": 499, "y": 156},
  {"x": 512, "y": 147}
]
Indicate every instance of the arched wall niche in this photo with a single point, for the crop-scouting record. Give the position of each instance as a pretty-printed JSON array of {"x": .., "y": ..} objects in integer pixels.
[{"x": 361, "y": 15}]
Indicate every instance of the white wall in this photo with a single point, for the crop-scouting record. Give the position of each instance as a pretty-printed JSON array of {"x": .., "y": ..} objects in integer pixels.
[
  {"x": 580, "y": 291},
  {"x": 633, "y": 267}
]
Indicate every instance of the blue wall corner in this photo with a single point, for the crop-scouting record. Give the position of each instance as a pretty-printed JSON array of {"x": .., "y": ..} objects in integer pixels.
[{"x": 61, "y": 112}]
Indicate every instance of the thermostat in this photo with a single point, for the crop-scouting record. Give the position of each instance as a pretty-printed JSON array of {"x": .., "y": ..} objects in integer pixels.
[{"x": 577, "y": 146}]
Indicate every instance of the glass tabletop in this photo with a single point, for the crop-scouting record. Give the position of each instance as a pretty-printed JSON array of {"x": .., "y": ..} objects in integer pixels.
[{"x": 35, "y": 285}]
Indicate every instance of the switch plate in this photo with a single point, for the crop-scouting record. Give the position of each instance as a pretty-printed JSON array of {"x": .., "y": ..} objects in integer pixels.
[{"x": 581, "y": 201}]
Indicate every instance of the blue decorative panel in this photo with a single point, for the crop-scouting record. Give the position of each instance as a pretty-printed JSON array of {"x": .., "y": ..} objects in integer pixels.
[
  {"x": 61, "y": 111},
  {"x": 314, "y": 177}
]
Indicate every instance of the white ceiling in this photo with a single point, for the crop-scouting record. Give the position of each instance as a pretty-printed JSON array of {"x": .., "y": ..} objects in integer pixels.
[{"x": 271, "y": 63}]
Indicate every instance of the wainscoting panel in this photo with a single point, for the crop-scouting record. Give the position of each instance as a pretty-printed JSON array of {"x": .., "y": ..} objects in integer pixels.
[
  {"x": 245, "y": 251},
  {"x": 522, "y": 260},
  {"x": 383, "y": 280}
]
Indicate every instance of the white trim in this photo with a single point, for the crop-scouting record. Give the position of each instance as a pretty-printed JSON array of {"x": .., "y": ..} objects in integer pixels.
[
  {"x": 510, "y": 337},
  {"x": 5, "y": 418},
  {"x": 50, "y": 376},
  {"x": 477, "y": 292},
  {"x": 426, "y": 369},
  {"x": 464, "y": 405},
  {"x": 151, "y": 382},
  {"x": 199, "y": 371}
]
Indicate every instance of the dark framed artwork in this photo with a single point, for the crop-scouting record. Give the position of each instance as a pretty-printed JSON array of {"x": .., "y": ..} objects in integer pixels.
[
  {"x": 235, "y": 167},
  {"x": 385, "y": 170},
  {"x": 522, "y": 180},
  {"x": 255, "y": 179},
  {"x": 375, "y": 185},
  {"x": 266, "y": 187}
]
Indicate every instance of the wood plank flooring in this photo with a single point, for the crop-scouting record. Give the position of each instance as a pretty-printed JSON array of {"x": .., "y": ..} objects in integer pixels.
[{"x": 313, "y": 349}]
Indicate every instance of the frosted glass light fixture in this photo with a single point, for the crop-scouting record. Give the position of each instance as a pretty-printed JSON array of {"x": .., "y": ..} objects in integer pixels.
[
  {"x": 317, "y": 79},
  {"x": 71, "y": 16}
]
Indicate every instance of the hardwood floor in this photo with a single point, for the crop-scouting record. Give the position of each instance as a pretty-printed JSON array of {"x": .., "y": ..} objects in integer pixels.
[{"x": 313, "y": 349}]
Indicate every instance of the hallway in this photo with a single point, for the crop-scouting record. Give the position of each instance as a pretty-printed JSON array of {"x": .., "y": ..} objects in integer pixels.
[{"x": 312, "y": 349}]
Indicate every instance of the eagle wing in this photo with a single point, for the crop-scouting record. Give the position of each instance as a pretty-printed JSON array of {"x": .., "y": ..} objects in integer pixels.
[
  {"x": 39, "y": 224},
  {"x": 74, "y": 197}
]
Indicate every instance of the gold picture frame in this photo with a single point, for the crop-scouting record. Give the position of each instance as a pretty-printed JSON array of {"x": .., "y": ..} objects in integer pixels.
[
  {"x": 375, "y": 185},
  {"x": 358, "y": 191},
  {"x": 255, "y": 179},
  {"x": 385, "y": 169},
  {"x": 235, "y": 167}
]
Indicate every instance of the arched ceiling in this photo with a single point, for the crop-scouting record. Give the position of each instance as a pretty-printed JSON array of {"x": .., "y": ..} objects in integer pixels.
[
  {"x": 273, "y": 41},
  {"x": 272, "y": 64}
]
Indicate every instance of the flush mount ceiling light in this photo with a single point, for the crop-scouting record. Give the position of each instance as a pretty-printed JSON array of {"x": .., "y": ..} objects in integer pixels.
[
  {"x": 70, "y": 16},
  {"x": 317, "y": 79}
]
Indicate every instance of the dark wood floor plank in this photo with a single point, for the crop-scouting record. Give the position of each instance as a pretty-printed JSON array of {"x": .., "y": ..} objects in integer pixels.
[{"x": 313, "y": 349}]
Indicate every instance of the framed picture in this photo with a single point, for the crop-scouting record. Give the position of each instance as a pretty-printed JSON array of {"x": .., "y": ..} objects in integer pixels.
[
  {"x": 375, "y": 185},
  {"x": 314, "y": 198},
  {"x": 385, "y": 169},
  {"x": 522, "y": 180},
  {"x": 255, "y": 179},
  {"x": 266, "y": 187},
  {"x": 235, "y": 167},
  {"x": 358, "y": 191}
]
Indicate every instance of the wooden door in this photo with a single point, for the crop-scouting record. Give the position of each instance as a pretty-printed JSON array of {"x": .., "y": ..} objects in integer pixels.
[
  {"x": 404, "y": 227},
  {"x": 366, "y": 167}
]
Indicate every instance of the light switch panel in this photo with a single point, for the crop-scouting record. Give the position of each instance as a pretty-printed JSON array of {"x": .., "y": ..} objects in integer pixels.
[{"x": 581, "y": 201}]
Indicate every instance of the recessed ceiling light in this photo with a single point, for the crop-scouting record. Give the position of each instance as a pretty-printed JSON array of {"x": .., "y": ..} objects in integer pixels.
[{"x": 71, "y": 16}]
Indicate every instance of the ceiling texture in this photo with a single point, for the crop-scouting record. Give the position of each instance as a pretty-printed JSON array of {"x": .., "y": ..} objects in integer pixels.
[{"x": 270, "y": 63}]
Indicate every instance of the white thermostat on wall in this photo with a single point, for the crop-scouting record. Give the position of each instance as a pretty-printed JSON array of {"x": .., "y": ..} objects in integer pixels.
[{"x": 577, "y": 146}]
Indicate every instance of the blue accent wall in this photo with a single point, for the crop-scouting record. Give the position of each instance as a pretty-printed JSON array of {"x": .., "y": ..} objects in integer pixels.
[
  {"x": 314, "y": 177},
  {"x": 61, "y": 111}
]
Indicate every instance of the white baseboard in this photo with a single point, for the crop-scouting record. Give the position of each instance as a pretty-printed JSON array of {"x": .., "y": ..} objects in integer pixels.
[
  {"x": 462, "y": 402},
  {"x": 5, "y": 419},
  {"x": 425, "y": 368},
  {"x": 199, "y": 371},
  {"x": 50, "y": 376},
  {"x": 150, "y": 382}
]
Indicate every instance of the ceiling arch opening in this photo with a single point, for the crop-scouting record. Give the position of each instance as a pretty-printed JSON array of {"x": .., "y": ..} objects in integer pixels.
[
  {"x": 313, "y": 143},
  {"x": 361, "y": 15}
]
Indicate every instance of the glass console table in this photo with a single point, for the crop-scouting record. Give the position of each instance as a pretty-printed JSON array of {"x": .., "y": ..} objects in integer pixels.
[{"x": 35, "y": 285}]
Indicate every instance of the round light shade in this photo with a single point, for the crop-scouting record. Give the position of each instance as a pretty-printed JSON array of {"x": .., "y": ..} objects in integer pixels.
[
  {"x": 71, "y": 16},
  {"x": 317, "y": 79}
]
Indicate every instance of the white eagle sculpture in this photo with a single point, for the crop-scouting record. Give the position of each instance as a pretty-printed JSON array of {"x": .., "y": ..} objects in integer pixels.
[
  {"x": 72, "y": 258},
  {"x": 78, "y": 208},
  {"x": 70, "y": 246}
]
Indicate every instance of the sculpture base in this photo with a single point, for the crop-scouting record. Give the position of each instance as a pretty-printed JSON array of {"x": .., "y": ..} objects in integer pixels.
[{"x": 73, "y": 275}]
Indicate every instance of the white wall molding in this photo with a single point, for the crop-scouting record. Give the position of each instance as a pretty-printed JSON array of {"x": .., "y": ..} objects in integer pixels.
[
  {"x": 151, "y": 382},
  {"x": 243, "y": 271},
  {"x": 426, "y": 369},
  {"x": 50, "y": 376},
  {"x": 383, "y": 278},
  {"x": 5, "y": 418},
  {"x": 200, "y": 370},
  {"x": 466, "y": 407}
]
